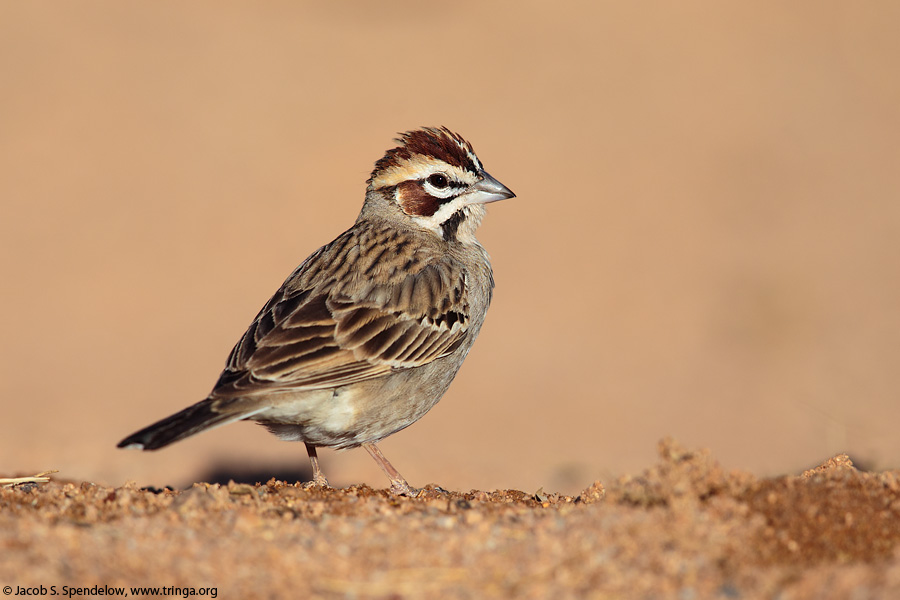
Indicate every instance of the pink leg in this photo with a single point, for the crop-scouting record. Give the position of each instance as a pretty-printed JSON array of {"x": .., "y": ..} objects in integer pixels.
[
  {"x": 318, "y": 475},
  {"x": 399, "y": 485}
]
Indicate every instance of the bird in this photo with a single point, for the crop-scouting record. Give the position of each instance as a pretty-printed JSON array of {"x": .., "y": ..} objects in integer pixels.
[{"x": 367, "y": 334}]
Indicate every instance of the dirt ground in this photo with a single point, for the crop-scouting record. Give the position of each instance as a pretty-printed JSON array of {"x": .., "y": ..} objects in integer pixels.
[{"x": 685, "y": 528}]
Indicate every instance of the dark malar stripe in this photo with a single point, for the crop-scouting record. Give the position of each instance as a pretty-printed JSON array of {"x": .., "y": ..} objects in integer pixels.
[{"x": 450, "y": 227}]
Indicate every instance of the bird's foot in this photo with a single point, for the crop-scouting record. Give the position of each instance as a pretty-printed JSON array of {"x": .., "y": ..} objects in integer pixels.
[
  {"x": 318, "y": 482},
  {"x": 399, "y": 487}
]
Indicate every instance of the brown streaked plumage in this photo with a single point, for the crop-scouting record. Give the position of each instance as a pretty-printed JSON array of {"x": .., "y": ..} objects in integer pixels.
[
  {"x": 317, "y": 332},
  {"x": 365, "y": 336}
]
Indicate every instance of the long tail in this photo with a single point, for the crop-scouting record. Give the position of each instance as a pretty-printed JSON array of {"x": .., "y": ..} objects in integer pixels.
[{"x": 194, "y": 419}]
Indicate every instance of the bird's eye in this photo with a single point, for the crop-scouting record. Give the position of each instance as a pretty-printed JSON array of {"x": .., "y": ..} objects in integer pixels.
[{"x": 438, "y": 180}]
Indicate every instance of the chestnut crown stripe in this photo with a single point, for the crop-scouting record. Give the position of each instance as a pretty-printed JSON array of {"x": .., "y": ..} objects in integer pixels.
[{"x": 439, "y": 143}]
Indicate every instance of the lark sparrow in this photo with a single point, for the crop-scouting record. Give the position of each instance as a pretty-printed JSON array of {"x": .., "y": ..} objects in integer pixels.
[{"x": 365, "y": 336}]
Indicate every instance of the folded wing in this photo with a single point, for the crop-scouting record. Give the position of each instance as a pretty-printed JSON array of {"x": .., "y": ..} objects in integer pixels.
[{"x": 408, "y": 309}]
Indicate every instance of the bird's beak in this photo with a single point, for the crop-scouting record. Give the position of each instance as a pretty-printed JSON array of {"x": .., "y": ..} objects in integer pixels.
[{"x": 489, "y": 190}]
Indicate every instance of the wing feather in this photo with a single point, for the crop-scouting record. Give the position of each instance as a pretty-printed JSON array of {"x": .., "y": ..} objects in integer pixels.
[{"x": 323, "y": 329}]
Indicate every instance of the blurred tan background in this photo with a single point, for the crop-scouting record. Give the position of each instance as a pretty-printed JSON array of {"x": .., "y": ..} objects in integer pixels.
[{"x": 704, "y": 244}]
